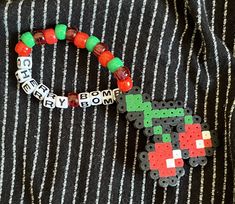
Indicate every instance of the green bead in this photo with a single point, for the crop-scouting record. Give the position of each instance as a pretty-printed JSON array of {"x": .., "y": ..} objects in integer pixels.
[
  {"x": 188, "y": 119},
  {"x": 166, "y": 137},
  {"x": 114, "y": 64},
  {"x": 60, "y": 31},
  {"x": 148, "y": 122},
  {"x": 157, "y": 130},
  {"x": 91, "y": 42},
  {"x": 180, "y": 112},
  {"x": 28, "y": 39}
]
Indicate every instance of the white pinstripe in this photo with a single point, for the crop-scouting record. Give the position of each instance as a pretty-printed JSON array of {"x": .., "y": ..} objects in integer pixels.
[
  {"x": 60, "y": 123},
  {"x": 117, "y": 114},
  {"x": 5, "y": 96},
  {"x": 197, "y": 79},
  {"x": 138, "y": 37},
  {"x": 124, "y": 164},
  {"x": 159, "y": 49},
  {"x": 71, "y": 121},
  {"x": 127, "y": 28},
  {"x": 230, "y": 136},
  {"x": 60, "y": 128},
  {"x": 177, "y": 191},
  {"x": 217, "y": 95},
  {"x": 207, "y": 88},
  {"x": 109, "y": 84},
  {"x": 225, "y": 20},
  {"x": 188, "y": 65},
  {"x": 35, "y": 159},
  {"x": 51, "y": 110},
  {"x": 231, "y": 113},
  {"x": 226, "y": 104},
  {"x": 213, "y": 16},
  {"x": 206, "y": 96},
  {"x": 177, "y": 71},
  {"x": 142, "y": 87},
  {"x": 225, "y": 125},
  {"x": 156, "y": 68},
  {"x": 164, "y": 196},
  {"x": 180, "y": 48},
  {"x": 27, "y": 120},
  {"x": 170, "y": 50},
  {"x": 157, "y": 61},
  {"x": 114, "y": 158},
  {"x": 201, "y": 185},
  {"x": 154, "y": 192},
  {"x": 83, "y": 122},
  {"x": 95, "y": 110},
  {"x": 195, "y": 109},
  {"x": 189, "y": 184},
  {"x": 132, "y": 75},
  {"x": 234, "y": 49},
  {"x": 49, "y": 130},
  {"x": 16, "y": 116},
  {"x": 143, "y": 188},
  {"x": 143, "y": 73},
  {"x": 39, "y": 117},
  {"x": 134, "y": 168},
  {"x": 127, "y": 125}
]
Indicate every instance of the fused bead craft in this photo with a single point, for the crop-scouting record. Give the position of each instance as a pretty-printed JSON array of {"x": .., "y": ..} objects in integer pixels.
[
  {"x": 174, "y": 134},
  {"x": 81, "y": 40}
]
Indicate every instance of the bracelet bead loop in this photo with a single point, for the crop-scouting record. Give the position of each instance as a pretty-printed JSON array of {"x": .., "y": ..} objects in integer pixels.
[{"x": 81, "y": 40}]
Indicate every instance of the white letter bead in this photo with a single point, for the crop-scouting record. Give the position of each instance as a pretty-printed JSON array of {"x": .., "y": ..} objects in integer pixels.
[
  {"x": 96, "y": 98},
  {"x": 23, "y": 75},
  {"x": 29, "y": 86},
  {"x": 41, "y": 92},
  {"x": 24, "y": 62},
  {"x": 49, "y": 100},
  {"x": 116, "y": 92},
  {"x": 107, "y": 97},
  {"x": 84, "y": 100},
  {"x": 61, "y": 102}
]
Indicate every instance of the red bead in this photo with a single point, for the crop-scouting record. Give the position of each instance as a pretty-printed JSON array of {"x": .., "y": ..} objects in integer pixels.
[
  {"x": 99, "y": 49},
  {"x": 71, "y": 34},
  {"x": 73, "y": 99},
  {"x": 105, "y": 57},
  {"x": 122, "y": 73},
  {"x": 22, "y": 49},
  {"x": 50, "y": 36},
  {"x": 125, "y": 85},
  {"x": 39, "y": 37},
  {"x": 80, "y": 40}
]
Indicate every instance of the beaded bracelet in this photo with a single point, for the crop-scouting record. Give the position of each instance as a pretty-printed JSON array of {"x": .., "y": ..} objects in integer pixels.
[
  {"x": 81, "y": 40},
  {"x": 173, "y": 132},
  {"x": 50, "y": 100}
]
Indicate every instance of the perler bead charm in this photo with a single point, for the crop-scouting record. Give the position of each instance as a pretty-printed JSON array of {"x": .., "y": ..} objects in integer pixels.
[{"x": 174, "y": 134}]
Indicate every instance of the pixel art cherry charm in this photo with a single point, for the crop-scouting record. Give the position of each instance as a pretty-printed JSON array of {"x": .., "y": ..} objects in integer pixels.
[{"x": 174, "y": 134}]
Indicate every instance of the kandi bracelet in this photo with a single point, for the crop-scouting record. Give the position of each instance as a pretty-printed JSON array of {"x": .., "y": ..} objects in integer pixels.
[
  {"x": 81, "y": 40},
  {"x": 173, "y": 133}
]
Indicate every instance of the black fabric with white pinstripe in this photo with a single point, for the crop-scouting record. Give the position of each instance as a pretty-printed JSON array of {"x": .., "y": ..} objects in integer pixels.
[{"x": 175, "y": 49}]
